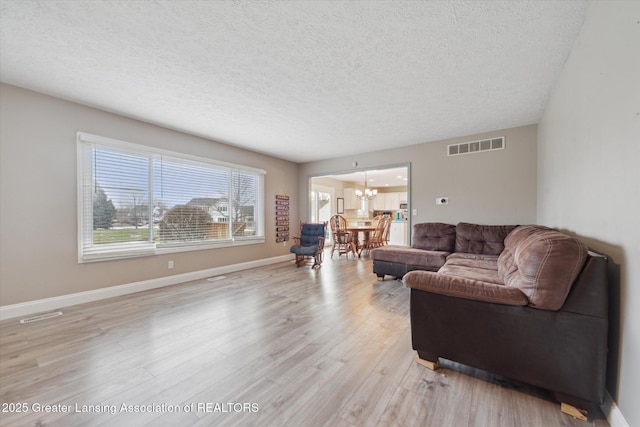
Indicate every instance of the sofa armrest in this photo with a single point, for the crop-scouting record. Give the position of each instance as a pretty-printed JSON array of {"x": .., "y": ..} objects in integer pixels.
[{"x": 460, "y": 287}]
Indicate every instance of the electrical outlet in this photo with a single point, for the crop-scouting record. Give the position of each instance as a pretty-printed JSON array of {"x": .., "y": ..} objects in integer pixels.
[
  {"x": 170, "y": 264},
  {"x": 414, "y": 212},
  {"x": 442, "y": 200}
]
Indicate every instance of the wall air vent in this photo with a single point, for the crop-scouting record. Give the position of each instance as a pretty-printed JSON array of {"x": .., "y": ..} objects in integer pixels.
[{"x": 490, "y": 144}]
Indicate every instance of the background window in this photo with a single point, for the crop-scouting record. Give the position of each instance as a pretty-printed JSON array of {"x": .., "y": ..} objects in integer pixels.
[{"x": 138, "y": 201}]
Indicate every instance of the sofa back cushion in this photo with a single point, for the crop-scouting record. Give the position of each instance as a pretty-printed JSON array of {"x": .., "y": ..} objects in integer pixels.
[
  {"x": 434, "y": 236},
  {"x": 543, "y": 263},
  {"x": 481, "y": 239}
]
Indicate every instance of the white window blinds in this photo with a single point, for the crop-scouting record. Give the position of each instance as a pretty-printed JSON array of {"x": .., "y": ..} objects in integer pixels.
[{"x": 134, "y": 200}]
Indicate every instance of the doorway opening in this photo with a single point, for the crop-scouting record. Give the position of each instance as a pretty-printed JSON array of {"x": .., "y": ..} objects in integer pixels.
[
  {"x": 322, "y": 205},
  {"x": 361, "y": 195}
]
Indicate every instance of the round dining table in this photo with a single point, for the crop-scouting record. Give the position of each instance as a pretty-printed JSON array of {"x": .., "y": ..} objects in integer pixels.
[{"x": 357, "y": 243}]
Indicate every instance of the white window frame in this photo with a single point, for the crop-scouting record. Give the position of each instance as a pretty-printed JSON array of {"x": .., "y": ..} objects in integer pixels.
[{"x": 87, "y": 252}]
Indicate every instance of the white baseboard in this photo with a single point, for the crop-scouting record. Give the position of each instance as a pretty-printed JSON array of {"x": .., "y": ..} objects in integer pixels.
[
  {"x": 46, "y": 304},
  {"x": 612, "y": 412}
]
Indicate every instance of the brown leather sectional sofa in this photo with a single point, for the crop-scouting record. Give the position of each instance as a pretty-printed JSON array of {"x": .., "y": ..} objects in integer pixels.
[
  {"x": 526, "y": 302},
  {"x": 433, "y": 242}
]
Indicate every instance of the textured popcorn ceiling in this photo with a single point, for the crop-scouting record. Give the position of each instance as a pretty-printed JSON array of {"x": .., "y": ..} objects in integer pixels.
[{"x": 301, "y": 80}]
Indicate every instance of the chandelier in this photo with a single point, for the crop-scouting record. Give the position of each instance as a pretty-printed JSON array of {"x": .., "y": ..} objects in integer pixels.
[{"x": 368, "y": 193}]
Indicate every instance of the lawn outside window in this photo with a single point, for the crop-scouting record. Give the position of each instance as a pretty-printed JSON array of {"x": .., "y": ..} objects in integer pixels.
[{"x": 135, "y": 200}]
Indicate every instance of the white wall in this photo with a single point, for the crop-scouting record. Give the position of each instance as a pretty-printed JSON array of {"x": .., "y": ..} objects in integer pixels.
[{"x": 589, "y": 170}]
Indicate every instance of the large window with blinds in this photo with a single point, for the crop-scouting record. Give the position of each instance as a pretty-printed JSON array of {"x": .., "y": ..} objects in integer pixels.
[{"x": 135, "y": 200}]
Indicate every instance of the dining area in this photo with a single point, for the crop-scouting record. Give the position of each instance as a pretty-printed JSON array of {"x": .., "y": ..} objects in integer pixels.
[{"x": 360, "y": 238}]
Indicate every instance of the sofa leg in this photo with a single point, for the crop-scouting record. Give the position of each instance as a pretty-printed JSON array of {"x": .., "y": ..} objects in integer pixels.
[
  {"x": 427, "y": 363},
  {"x": 580, "y": 414}
]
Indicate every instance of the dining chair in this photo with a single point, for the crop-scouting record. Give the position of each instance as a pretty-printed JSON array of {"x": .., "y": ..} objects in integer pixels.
[
  {"x": 387, "y": 232},
  {"x": 377, "y": 237},
  {"x": 342, "y": 239}
]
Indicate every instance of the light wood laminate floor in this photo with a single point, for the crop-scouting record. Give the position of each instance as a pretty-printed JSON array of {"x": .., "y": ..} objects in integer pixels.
[{"x": 272, "y": 346}]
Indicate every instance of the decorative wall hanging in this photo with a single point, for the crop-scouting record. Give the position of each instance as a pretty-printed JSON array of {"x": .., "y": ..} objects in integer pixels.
[{"x": 282, "y": 218}]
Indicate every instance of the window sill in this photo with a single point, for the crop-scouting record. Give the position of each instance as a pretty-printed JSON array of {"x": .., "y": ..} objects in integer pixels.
[{"x": 109, "y": 255}]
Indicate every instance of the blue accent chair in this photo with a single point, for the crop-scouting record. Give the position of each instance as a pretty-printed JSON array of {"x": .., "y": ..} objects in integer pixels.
[{"x": 310, "y": 244}]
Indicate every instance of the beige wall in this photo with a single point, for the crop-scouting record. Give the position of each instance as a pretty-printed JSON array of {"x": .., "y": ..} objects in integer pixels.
[
  {"x": 589, "y": 179},
  {"x": 38, "y": 247},
  {"x": 495, "y": 187}
]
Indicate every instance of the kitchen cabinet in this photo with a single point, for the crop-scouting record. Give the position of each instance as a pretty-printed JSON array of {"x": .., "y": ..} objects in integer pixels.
[
  {"x": 398, "y": 233},
  {"x": 350, "y": 199},
  {"x": 382, "y": 202},
  {"x": 389, "y": 201},
  {"x": 392, "y": 202},
  {"x": 378, "y": 202}
]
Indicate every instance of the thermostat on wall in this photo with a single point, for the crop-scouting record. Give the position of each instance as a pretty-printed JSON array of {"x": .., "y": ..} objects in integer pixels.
[{"x": 442, "y": 200}]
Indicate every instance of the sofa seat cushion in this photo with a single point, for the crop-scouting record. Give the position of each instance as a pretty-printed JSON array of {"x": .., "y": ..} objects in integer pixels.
[
  {"x": 461, "y": 287},
  {"x": 489, "y": 262},
  {"x": 481, "y": 239},
  {"x": 304, "y": 250},
  {"x": 543, "y": 263},
  {"x": 483, "y": 268},
  {"x": 410, "y": 256}
]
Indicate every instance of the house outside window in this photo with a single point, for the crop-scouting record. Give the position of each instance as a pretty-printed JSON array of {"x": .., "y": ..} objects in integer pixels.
[{"x": 135, "y": 201}]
